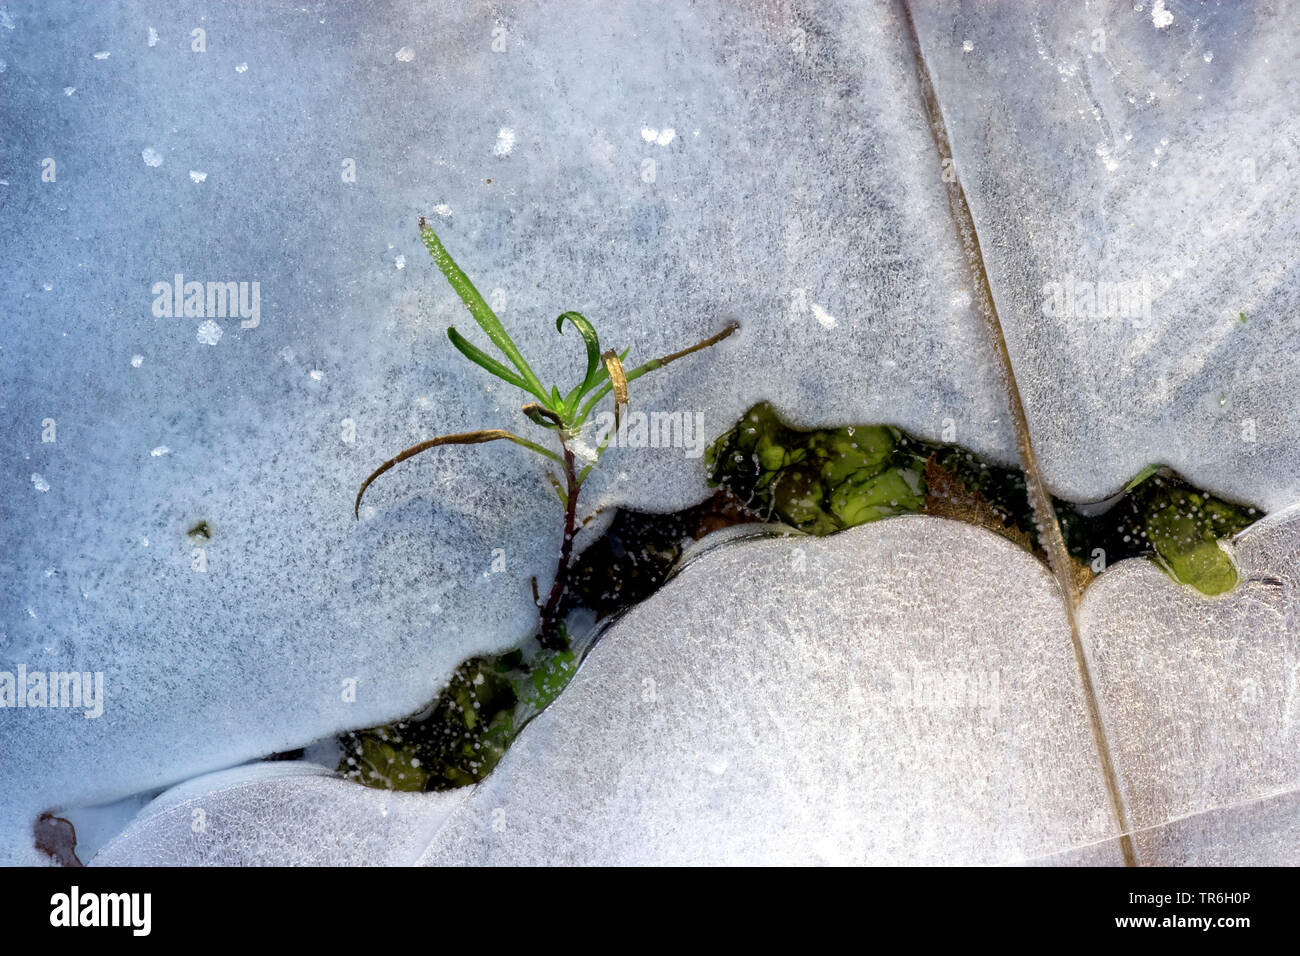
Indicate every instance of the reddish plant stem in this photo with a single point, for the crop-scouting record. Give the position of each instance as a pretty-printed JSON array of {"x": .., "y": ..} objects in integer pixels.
[{"x": 551, "y": 635}]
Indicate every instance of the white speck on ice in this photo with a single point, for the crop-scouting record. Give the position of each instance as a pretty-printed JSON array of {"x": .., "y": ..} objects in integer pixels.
[
  {"x": 209, "y": 333},
  {"x": 41, "y": 484},
  {"x": 6, "y": 21},
  {"x": 1209, "y": 56},
  {"x": 505, "y": 141},
  {"x": 69, "y": 90},
  {"x": 442, "y": 209},
  {"x": 400, "y": 262},
  {"x": 821, "y": 315},
  {"x": 1160, "y": 16},
  {"x": 153, "y": 37},
  {"x": 1104, "y": 152},
  {"x": 197, "y": 176},
  {"x": 47, "y": 287},
  {"x": 660, "y": 137},
  {"x": 405, "y": 54},
  {"x": 581, "y": 450},
  {"x": 137, "y": 361},
  {"x": 317, "y": 375},
  {"x": 967, "y": 46},
  {"x": 151, "y": 157},
  {"x": 102, "y": 55},
  {"x": 159, "y": 451},
  {"x": 242, "y": 68}
]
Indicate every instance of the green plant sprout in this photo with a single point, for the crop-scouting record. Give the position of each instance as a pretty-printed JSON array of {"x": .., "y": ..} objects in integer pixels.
[{"x": 562, "y": 414}]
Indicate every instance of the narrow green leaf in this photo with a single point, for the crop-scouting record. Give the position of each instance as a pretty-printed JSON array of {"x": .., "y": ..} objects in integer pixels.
[
  {"x": 479, "y": 357},
  {"x": 478, "y": 308},
  {"x": 589, "y": 337}
]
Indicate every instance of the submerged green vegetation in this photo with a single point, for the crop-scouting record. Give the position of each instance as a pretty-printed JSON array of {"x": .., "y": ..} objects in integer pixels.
[
  {"x": 460, "y": 737},
  {"x": 818, "y": 481},
  {"x": 824, "y": 480}
]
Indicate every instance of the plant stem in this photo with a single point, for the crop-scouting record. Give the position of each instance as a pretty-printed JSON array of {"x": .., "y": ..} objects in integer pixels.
[
  {"x": 552, "y": 637},
  {"x": 653, "y": 364}
]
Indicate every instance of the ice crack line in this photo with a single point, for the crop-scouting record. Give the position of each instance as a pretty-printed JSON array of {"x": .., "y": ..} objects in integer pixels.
[{"x": 1045, "y": 515}]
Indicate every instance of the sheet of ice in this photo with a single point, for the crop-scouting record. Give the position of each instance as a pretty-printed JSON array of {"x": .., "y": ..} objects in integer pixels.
[
  {"x": 1098, "y": 145},
  {"x": 1259, "y": 833},
  {"x": 798, "y": 184},
  {"x": 1201, "y": 697},
  {"x": 903, "y": 692},
  {"x": 278, "y": 814},
  {"x": 900, "y": 693},
  {"x": 867, "y": 697}
]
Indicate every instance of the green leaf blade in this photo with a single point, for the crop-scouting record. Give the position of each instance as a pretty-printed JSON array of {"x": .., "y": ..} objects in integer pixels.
[
  {"x": 478, "y": 307},
  {"x": 481, "y": 358}
]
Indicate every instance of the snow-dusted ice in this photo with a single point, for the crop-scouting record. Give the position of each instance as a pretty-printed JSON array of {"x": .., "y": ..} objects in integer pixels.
[
  {"x": 1131, "y": 173},
  {"x": 664, "y": 173},
  {"x": 319, "y": 159},
  {"x": 904, "y": 692}
]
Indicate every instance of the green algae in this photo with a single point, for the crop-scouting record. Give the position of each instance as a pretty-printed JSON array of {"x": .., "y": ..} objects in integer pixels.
[{"x": 829, "y": 479}]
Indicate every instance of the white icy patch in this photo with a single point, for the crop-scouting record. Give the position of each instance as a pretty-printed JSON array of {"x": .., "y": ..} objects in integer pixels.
[
  {"x": 900, "y": 693},
  {"x": 39, "y": 483},
  {"x": 198, "y": 176},
  {"x": 278, "y": 814},
  {"x": 505, "y": 142},
  {"x": 708, "y": 726},
  {"x": 660, "y": 137},
  {"x": 405, "y": 54},
  {"x": 657, "y": 254},
  {"x": 1160, "y": 16},
  {"x": 1200, "y": 696},
  {"x": 153, "y": 37},
  {"x": 151, "y": 156},
  {"x": 1145, "y": 166},
  {"x": 159, "y": 451},
  {"x": 209, "y": 333}
]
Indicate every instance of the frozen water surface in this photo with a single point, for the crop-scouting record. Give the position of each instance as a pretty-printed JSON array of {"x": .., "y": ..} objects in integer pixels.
[
  {"x": 758, "y": 208},
  {"x": 663, "y": 174},
  {"x": 278, "y": 815},
  {"x": 903, "y": 692},
  {"x": 1103, "y": 145},
  {"x": 1201, "y": 697},
  {"x": 914, "y": 675}
]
